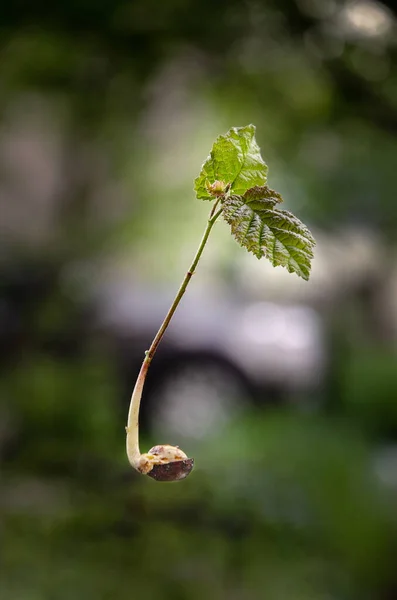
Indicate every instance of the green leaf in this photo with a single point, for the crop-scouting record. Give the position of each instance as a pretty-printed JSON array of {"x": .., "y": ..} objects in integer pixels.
[
  {"x": 235, "y": 159},
  {"x": 258, "y": 224}
]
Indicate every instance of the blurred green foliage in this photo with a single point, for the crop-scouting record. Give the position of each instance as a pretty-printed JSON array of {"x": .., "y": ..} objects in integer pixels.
[
  {"x": 277, "y": 505},
  {"x": 280, "y": 506},
  {"x": 370, "y": 389}
]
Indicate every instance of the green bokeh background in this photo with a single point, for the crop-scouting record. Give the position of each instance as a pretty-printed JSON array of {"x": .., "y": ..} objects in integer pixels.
[{"x": 107, "y": 111}]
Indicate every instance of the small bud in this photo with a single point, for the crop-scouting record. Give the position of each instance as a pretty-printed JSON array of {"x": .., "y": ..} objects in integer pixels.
[
  {"x": 165, "y": 463},
  {"x": 218, "y": 188}
]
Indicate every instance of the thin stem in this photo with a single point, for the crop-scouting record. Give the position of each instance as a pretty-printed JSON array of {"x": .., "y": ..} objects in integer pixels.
[{"x": 132, "y": 428}]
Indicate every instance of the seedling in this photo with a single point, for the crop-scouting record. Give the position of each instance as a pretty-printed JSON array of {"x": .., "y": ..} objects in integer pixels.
[{"x": 234, "y": 179}]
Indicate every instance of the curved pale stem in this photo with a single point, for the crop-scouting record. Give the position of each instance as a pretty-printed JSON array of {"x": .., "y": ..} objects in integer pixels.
[{"x": 132, "y": 428}]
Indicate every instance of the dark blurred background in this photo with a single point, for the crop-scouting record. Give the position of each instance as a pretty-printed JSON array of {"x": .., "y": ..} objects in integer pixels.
[{"x": 284, "y": 391}]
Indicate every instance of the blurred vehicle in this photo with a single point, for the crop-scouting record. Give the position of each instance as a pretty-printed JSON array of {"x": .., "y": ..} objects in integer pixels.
[{"x": 219, "y": 354}]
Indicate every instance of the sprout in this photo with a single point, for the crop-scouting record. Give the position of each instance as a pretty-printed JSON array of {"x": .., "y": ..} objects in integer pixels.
[{"x": 234, "y": 177}]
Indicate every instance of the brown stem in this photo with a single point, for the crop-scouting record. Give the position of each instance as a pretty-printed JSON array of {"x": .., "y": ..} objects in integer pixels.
[{"x": 132, "y": 428}]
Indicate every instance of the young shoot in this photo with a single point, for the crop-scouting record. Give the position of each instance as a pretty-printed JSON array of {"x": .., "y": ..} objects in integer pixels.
[{"x": 233, "y": 178}]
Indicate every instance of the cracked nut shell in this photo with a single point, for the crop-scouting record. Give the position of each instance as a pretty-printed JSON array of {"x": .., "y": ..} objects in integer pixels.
[{"x": 172, "y": 471}]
